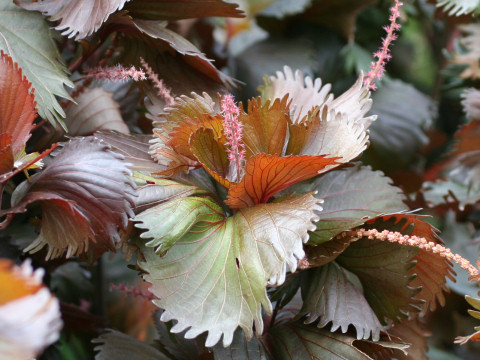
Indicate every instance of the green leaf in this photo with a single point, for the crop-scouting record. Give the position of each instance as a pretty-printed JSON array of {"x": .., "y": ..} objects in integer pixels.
[
  {"x": 34, "y": 49},
  {"x": 404, "y": 114},
  {"x": 332, "y": 293},
  {"x": 119, "y": 346},
  {"x": 79, "y": 18},
  {"x": 171, "y": 220},
  {"x": 241, "y": 348},
  {"x": 382, "y": 268},
  {"x": 214, "y": 278},
  {"x": 351, "y": 197},
  {"x": 181, "y": 9},
  {"x": 86, "y": 196},
  {"x": 294, "y": 341}
]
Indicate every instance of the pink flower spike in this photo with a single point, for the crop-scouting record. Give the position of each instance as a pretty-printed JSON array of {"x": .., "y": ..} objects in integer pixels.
[
  {"x": 383, "y": 54},
  {"x": 116, "y": 73},
  {"x": 233, "y": 131},
  {"x": 162, "y": 90}
]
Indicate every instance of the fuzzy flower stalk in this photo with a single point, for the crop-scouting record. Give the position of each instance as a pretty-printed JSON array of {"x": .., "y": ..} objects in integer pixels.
[
  {"x": 377, "y": 68},
  {"x": 233, "y": 132},
  {"x": 422, "y": 243},
  {"x": 159, "y": 85},
  {"x": 116, "y": 73}
]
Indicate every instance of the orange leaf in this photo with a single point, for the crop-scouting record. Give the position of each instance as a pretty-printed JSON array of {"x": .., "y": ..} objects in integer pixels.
[
  {"x": 266, "y": 175},
  {"x": 211, "y": 154},
  {"x": 301, "y": 131},
  {"x": 265, "y": 127},
  {"x": 17, "y": 104}
]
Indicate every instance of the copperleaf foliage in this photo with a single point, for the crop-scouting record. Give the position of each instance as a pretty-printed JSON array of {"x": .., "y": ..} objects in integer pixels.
[
  {"x": 35, "y": 51},
  {"x": 214, "y": 279},
  {"x": 78, "y": 19},
  {"x": 86, "y": 198}
]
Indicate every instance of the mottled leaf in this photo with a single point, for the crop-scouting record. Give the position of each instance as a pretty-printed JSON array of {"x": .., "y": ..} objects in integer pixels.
[
  {"x": 214, "y": 278},
  {"x": 334, "y": 294},
  {"x": 119, "y": 346},
  {"x": 17, "y": 105},
  {"x": 266, "y": 175},
  {"x": 86, "y": 196},
  {"x": 265, "y": 127},
  {"x": 94, "y": 110},
  {"x": 79, "y": 18},
  {"x": 352, "y": 196},
  {"x": 181, "y": 9},
  {"x": 383, "y": 269},
  {"x": 34, "y": 49}
]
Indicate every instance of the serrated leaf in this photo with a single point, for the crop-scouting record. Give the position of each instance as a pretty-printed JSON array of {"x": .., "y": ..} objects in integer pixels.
[
  {"x": 352, "y": 196},
  {"x": 294, "y": 341},
  {"x": 241, "y": 348},
  {"x": 327, "y": 251},
  {"x": 383, "y": 269},
  {"x": 119, "y": 346},
  {"x": 404, "y": 114},
  {"x": 431, "y": 270},
  {"x": 181, "y": 9},
  {"x": 265, "y": 127},
  {"x": 459, "y": 7},
  {"x": 86, "y": 196},
  {"x": 79, "y": 18},
  {"x": 17, "y": 105},
  {"x": 34, "y": 49},
  {"x": 412, "y": 332},
  {"x": 266, "y": 175},
  {"x": 171, "y": 220},
  {"x": 94, "y": 110},
  {"x": 462, "y": 340},
  {"x": 333, "y": 294},
  {"x": 214, "y": 278},
  {"x": 135, "y": 149}
]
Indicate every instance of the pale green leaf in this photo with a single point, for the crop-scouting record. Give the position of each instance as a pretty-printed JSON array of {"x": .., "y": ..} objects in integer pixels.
[
  {"x": 27, "y": 38},
  {"x": 214, "y": 278},
  {"x": 334, "y": 294},
  {"x": 459, "y": 7}
]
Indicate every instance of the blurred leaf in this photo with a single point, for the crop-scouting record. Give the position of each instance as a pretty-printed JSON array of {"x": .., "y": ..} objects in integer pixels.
[
  {"x": 34, "y": 49},
  {"x": 404, "y": 114},
  {"x": 266, "y": 175},
  {"x": 334, "y": 294},
  {"x": 462, "y": 340},
  {"x": 79, "y": 18},
  {"x": 352, "y": 196},
  {"x": 459, "y": 7},
  {"x": 71, "y": 283},
  {"x": 181, "y": 9},
  {"x": 17, "y": 106},
  {"x": 469, "y": 53},
  {"x": 85, "y": 196},
  {"x": 241, "y": 348},
  {"x": 214, "y": 278},
  {"x": 94, "y": 110},
  {"x": 119, "y": 346},
  {"x": 283, "y": 8},
  {"x": 383, "y": 269},
  {"x": 459, "y": 237}
]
